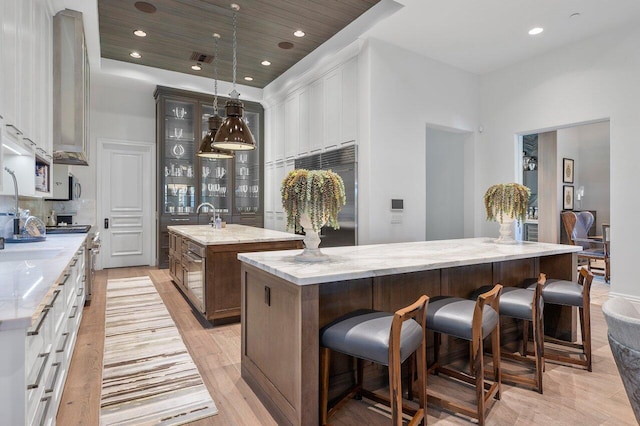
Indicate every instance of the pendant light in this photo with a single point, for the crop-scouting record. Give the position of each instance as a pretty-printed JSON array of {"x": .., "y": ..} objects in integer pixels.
[
  {"x": 234, "y": 133},
  {"x": 207, "y": 149}
]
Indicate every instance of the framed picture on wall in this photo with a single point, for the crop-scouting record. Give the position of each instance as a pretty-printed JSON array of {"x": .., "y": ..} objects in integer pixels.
[
  {"x": 567, "y": 197},
  {"x": 567, "y": 170}
]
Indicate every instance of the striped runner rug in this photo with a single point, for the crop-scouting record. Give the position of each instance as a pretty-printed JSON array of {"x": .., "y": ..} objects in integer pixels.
[{"x": 148, "y": 376}]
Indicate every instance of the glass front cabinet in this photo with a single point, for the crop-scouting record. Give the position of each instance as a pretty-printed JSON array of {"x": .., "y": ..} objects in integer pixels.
[{"x": 234, "y": 186}]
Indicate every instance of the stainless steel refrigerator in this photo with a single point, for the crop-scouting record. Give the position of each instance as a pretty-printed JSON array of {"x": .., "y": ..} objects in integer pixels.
[{"x": 343, "y": 162}]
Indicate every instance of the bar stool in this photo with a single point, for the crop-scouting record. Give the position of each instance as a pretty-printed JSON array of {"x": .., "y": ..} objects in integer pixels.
[
  {"x": 524, "y": 304},
  {"x": 570, "y": 293},
  {"x": 383, "y": 338},
  {"x": 472, "y": 321}
]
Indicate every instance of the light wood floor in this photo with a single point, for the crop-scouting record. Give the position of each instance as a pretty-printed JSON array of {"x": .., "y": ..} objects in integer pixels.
[{"x": 572, "y": 396}]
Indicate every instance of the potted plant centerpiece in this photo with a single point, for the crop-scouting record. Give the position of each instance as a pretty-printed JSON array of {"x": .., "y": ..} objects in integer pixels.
[
  {"x": 504, "y": 203},
  {"x": 312, "y": 198}
]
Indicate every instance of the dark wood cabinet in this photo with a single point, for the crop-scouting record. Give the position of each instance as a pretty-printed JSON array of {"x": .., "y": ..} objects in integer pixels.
[{"x": 234, "y": 187}]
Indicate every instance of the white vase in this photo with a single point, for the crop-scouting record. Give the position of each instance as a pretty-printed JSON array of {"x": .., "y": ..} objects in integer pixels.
[
  {"x": 506, "y": 230},
  {"x": 311, "y": 252}
]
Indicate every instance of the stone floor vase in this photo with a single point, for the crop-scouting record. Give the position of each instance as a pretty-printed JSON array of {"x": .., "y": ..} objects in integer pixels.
[{"x": 311, "y": 252}]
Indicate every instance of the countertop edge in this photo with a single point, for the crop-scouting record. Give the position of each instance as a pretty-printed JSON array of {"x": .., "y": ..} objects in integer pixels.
[
  {"x": 285, "y": 236},
  {"x": 371, "y": 273}
]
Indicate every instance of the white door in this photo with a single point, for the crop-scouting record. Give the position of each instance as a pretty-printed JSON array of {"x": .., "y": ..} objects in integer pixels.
[{"x": 126, "y": 213}]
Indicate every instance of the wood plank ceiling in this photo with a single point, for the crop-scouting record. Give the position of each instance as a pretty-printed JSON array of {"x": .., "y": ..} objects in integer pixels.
[{"x": 178, "y": 28}]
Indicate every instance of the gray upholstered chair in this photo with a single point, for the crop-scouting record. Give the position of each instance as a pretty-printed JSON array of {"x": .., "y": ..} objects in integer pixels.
[
  {"x": 578, "y": 294},
  {"x": 623, "y": 319},
  {"x": 577, "y": 225},
  {"x": 526, "y": 305},
  {"x": 383, "y": 338},
  {"x": 472, "y": 321}
]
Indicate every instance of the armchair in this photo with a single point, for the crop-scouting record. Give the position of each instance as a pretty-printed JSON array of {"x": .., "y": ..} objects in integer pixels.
[{"x": 577, "y": 226}]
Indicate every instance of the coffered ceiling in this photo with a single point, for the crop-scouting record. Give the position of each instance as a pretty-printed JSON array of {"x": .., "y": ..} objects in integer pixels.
[{"x": 180, "y": 30}]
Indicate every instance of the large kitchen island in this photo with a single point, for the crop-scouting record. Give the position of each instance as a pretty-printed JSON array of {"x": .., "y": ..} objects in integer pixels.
[
  {"x": 203, "y": 262},
  {"x": 285, "y": 304}
]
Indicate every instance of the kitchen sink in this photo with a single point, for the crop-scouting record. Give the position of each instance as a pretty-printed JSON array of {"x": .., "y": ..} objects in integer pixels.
[{"x": 31, "y": 254}]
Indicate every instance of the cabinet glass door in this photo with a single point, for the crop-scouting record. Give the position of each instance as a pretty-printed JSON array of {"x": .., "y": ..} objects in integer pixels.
[
  {"x": 247, "y": 171},
  {"x": 179, "y": 151},
  {"x": 216, "y": 174}
]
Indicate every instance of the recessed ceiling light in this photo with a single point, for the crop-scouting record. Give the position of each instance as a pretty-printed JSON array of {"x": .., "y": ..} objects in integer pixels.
[
  {"x": 145, "y": 7},
  {"x": 248, "y": 78},
  {"x": 196, "y": 67},
  {"x": 140, "y": 33},
  {"x": 135, "y": 55},
  {"x": 285, "y": 45},
  {"x": 536, "y": 31},
  {"x": 265, "y": 63},
  {"x": 299, "y": 33}
]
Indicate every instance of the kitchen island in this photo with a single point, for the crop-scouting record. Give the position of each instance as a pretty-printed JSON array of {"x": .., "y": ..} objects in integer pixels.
[
  {"x": 286, "y": 303},
  {"x": 203, "y": 263}
]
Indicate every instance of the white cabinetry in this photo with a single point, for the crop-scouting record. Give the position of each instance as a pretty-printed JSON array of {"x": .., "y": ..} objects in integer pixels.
[
  {"x": 303, "y": 99},
  {"x": 291, "y": 126},
  {"x": 25, "y": 90},
  {"x": 40, "y": 355},
  {"x": 316, "y": 114}
]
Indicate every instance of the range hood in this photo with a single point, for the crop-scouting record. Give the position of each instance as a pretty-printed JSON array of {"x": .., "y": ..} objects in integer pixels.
[{"x": 70, "y": 90}]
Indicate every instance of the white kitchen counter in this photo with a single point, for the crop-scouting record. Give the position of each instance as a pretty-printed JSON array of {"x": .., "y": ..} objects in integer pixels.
[
  {"x": 28, "y": 272},
  {"x": 232, "y": 234},
  {"x": 354, "y": 262}
]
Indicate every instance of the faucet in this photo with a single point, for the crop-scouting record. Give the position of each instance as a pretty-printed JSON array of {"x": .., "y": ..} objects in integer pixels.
[
  {"x": 213, "y": 217},
  {"x": 16, "y": 219}
]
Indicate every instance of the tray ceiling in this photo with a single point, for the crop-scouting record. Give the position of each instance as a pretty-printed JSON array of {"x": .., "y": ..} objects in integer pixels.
[{"x": 178, "y": 29}]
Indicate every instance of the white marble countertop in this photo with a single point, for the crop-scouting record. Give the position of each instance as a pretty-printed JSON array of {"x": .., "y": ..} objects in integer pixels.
[
  {"x": 28, "y": 272},
  {"x": 353, "y": 262},
  {"x": 232, "y": 234}
]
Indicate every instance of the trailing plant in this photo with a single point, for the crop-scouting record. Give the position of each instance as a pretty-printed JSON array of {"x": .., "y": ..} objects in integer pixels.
[
  {"x": 510, "y": 199},
  {"x": 318, "y": 192}
]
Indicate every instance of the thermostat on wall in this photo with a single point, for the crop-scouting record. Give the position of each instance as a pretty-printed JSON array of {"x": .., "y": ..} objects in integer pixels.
[{"x": 397, "y": 204}]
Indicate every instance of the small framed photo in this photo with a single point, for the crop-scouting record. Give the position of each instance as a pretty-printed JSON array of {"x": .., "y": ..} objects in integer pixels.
[
  {"x": 567, "y": 197},
  {"x": 567, "y": 170}
]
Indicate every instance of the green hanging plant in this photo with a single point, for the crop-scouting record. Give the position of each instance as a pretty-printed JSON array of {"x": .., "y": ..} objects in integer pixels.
[
  {"x": 507, "y": 199},
  {"x": 318, "y": 192}
]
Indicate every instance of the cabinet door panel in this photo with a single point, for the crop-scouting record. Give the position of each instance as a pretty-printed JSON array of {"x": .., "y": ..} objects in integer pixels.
[
  {"x": 303, "y": 145},
  {"x": 8, "y": 101},
  {"x": 291, "y": 126},
  {"x": 332, "y": 108},
  {"x": 316, "y": 110},
  {"x": 349, "y": 102}
]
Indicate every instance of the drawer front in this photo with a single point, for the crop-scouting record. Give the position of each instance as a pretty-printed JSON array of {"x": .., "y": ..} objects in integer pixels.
[
  {"x": 42, "y": 412},
  {"x": 58, "y": 312}
]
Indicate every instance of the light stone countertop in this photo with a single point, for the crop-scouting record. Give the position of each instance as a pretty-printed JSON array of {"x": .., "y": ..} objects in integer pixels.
[
  {"x": 354, "y": 262},
  {"x": 28, "y": 272},
  {"x": 232, "y": 234}
]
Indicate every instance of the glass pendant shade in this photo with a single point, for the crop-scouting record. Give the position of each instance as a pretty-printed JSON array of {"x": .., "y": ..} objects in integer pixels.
[
  {"x": 207, "y": 149},
  {"x": 233, "y": 133}
]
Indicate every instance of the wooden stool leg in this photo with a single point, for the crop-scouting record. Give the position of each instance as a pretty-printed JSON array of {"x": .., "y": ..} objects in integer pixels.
[
  {"x": 478, "y": 367},
  {"x": 586, "y": 337},
  {"x": 325, "y": 360},
  {"x": 525, "y": 337},
  {"x": 538, "y": 347},
  {"x": 395, "y": 385},
  {"x": 495, "y": 345}
]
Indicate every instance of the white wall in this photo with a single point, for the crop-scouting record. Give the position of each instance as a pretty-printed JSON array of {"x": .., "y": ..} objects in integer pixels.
[
  {"x": 589, "y": 146},
  {"x": 404, "y": 94},
  {"x": 588, "y": 81},
  {"x": 444, "y": 185},
  {"x": 121, "y": 109}
]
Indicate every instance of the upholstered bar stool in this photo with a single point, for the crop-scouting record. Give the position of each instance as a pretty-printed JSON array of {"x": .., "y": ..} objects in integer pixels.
[
  {"x": 524, "y": 304},
  {"x": 571, "y": 293},
  {"x": 471, "y": 321},
  {"x": 383, "y": 338}
]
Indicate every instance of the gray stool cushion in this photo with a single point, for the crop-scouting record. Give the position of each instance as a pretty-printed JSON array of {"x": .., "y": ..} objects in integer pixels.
[
  {"x": 454, "y": 316},
  {"x": 365, "y": 334},
  {"x": 515, "y": 302},
  {"x": 561, "y": 292}
]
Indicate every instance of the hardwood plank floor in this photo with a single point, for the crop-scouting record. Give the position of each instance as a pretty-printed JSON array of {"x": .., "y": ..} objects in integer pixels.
[{"x": 572, "y": 396}]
